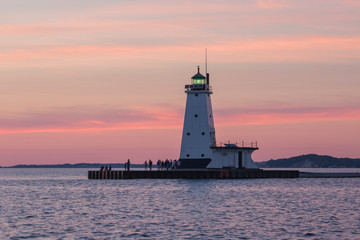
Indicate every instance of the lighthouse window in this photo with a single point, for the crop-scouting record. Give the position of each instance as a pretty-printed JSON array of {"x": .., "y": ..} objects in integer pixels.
[
  {"x": 210, "y": 115},
  {"x": 196, "y": 115},
  {"x": 202, "y": 155},
  {"x": 187, "y": 155},
  {"x": 188, "y": 134},
  {"x": 196, "y": 94},
  {"x": 203, "y": 133}
]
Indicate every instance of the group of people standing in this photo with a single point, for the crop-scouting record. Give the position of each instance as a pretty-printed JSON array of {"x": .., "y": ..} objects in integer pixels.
[
  {"x": 168, "y": 164},
  {"x": 146, "y": 165},
  {"x": 105, "y": 171},
  {"x": 161, "y": 165},
  {"x": 106, "y": 168}
]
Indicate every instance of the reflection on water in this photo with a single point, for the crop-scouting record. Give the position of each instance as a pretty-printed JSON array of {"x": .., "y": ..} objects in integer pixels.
[{"x": 62, "y": 203}]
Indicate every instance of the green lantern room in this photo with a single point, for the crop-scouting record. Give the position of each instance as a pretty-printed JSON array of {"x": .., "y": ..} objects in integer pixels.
[{"x": 198, "y": 78}]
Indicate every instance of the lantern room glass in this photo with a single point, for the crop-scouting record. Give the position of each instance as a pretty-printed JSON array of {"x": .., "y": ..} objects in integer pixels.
[{"x": 198, "y": 81}]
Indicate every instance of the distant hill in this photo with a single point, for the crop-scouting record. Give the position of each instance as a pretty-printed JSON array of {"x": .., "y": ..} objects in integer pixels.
[
  {"x": 303, "y": 161},
  {"x": 311, "y": 161}
]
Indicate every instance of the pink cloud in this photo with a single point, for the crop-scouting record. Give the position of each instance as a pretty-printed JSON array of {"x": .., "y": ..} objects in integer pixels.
[
  {"x": 82, "y": 118},
  {"x": 273, "y": 4},
  {"x": 350, "y": 3},
  {"x": 309, "y": 49},
  {"x": 35, "y": 29},
  {"x": 90, "y": 27},
  {"x": 271, "y": 115},
  {"x": 166, "y": 9},
  {"x": 85, "y": 119}
]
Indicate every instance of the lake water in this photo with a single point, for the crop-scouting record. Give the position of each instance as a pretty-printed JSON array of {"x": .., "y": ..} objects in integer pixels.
[{"x": 63, "y": 204}]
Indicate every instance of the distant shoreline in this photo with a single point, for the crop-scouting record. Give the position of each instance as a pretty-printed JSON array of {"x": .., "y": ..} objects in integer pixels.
[
  {"x": 302, "y": 161},
  {"x": 76, "y": 165}
]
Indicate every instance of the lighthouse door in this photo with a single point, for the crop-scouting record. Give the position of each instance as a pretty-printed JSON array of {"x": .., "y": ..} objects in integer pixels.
[
  {"x": 225, "y": 159},
  {"x": 240, "y": 160}
]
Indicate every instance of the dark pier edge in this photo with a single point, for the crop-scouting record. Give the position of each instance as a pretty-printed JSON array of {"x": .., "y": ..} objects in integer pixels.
[
  {"x": 194, "y": 174},
  {"x": 198, "y": 163}
]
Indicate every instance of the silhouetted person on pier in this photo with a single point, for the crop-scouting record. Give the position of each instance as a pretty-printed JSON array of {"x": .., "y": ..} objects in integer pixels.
[
  {"x": 158, "y": 164},
  {"x": 146, "y": 164},
  {"x": 106, "y": 168},
  {"x": 128, "y": 165},
  {"x": 167, "y": 164},
  {"x": 102, "y": 168},
  {"x": 109, "y": 168},
  {"x": 150, "y": 164},
  {"x": 125, "y": 165}
]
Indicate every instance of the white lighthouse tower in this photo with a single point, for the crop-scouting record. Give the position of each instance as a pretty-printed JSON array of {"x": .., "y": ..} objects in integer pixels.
[
  {"x": 198, "y": 145},
  {"x": 198, "y": 132}
]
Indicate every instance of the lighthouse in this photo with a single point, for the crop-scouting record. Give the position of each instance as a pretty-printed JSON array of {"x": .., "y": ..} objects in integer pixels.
[{"x": 198, "y": 144}]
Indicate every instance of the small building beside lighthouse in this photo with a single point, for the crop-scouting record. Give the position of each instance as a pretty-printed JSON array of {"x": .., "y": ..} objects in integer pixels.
[{"x": 198, "y": 145}]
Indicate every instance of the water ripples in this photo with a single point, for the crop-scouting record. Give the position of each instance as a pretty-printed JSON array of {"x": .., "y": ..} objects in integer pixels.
[{"x": 55, "y": 206}]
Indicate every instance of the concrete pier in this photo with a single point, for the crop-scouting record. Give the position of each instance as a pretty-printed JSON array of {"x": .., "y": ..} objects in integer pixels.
[
  {"x": 329, "y": 175},
  {"x": 194, "y": 174}
]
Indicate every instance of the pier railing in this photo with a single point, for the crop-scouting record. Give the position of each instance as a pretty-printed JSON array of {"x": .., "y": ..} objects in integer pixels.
[{"x": 237, "y": 144}]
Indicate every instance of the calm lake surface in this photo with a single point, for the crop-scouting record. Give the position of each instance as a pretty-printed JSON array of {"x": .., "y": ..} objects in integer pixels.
[{"x": 63, "y": 204}]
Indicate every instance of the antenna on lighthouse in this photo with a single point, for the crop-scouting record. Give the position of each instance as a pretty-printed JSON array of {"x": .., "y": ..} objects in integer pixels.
[
  {"x": 207, "y": 74},
  {"x": 205, "y": 60}
]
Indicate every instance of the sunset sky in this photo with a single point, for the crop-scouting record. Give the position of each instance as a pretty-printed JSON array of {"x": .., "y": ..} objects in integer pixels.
[{"x": 103, "y": 80}]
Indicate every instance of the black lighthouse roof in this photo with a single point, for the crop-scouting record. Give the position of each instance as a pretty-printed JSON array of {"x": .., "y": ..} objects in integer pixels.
[{"x": 198, "y": 75}]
